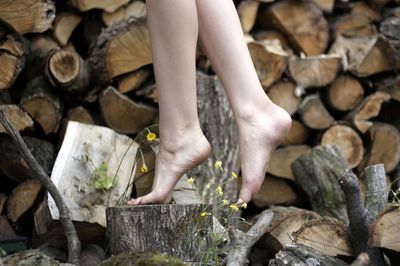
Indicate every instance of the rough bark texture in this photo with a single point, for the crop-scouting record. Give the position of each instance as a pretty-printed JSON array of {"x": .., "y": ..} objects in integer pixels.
[{"x": 170, "y": 228}]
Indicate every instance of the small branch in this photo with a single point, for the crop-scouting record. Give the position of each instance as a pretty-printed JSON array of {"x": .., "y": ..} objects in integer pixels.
[
  {"x": 74, "y": 244},
  {"x": 241, "y": 243},
  {"x": 377, "y": 193}
]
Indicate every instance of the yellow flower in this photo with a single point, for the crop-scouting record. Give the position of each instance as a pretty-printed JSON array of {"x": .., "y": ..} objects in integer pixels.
[
  {"x": 234, "y": 175},
  {"x": 191, "y": 180},
  {"x": 244, "y": 205},
  {"x": 151, "y": 136},
  {"x": 218, "y": 164},
  {"x": 203, "y": 214},
  {"x": 225, "y": 202},
  {"x": 144, "y": 169},
  {"x": 234, "y": 207},
  {"x": 219, "y": 190}
]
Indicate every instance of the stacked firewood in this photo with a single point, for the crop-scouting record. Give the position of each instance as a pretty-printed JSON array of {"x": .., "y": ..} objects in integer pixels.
[{"x": 332, "y": 65}]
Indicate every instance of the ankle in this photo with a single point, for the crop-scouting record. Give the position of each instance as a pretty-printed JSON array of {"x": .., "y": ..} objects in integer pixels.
[{"x": 174, "y": 139}]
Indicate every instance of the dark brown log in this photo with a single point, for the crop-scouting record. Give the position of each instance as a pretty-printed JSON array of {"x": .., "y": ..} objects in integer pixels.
[
  {"x": 345, "y": 93},
  {"x": 282, "y": 158},
  {"x": 169, "y": 228},
  {"x": 28, "y": 15},
  {"x": 107, "y": 5},
  {"x": 12, "y": 163},
  {"x": 132, "y": 81},
  {"x": 64, "y": 25},
  {"x": 367, "y": 109},
  {"x": 385, "y": 231},
  {"x": 19, "y": 118},
  {"x": 298, "y": 134},
  {"x": 348, "y": 141},
  {"x": 134, "y": 9},
  {"x": 6, "y": 230},
  {"x": 247, "y": 11},
  {"x": 149, "y": 91},
  {"x": 3, "y": 199},
  {"x": 355, "y": 25},
  {"x": 325, "y": 235},
  {"x": 302, "y": 22},
  {"x": 43, "y": 104},
  {"x": 282, "y": 94},
  {"x": 391, "y": 86},
  {"x": 41, "y": 45},
  {"x": 269, "y": 59},
  {"x": 313, "y": 112},
  {"x": 274, "y": 191},
  {"x": 22, "y": 198},
  {"x": 123, "y": 114},
  {"x": 314, "y": 71},
  {"x": 92, "y": 255},
  {"x": 317, "y": 173}
]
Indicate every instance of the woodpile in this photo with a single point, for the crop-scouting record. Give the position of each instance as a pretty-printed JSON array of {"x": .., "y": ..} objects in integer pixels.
[{"x": 332, "y": 65}]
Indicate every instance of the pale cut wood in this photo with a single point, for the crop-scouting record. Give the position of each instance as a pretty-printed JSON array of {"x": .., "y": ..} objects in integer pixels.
[
  {"x": 274, "y": 191},
  {"x": 132, "y": 81},
  {"x": 247, "y": 11},
  {"x": 355, "y": 25},
  {"x": 269, "y": 59},
  {"x": 325, "y": 5},
  {"x": 298, "y": 134},
  {"x": 123, "y": 114},
  {"x": 22, "y": 198},
  {"x": 314, "y": 71},
  {"x": 348, "y": 141},
  {"x": 313, "y": 113},
  {"x": 107, "y": 5},
  {"x": 78, "y": 114},
  {"x": 282, "y": 94},
  {"x": 28, "y": 15},
  {"x": 97, "y": 144},
  {"x": 364, "y": 8},
  {"x": 64, "y": 25},
  {"x": 326, "y": 235},
  {"x": 384, "y": 233},
  {"x": 302, "y": 22},
  {"x": 345, "y": 93},
  {"x": 270, "y": 35},
  {"x": 20, "y": 119},
  {"x": 135, "y": 9},
  {"x": 169, "y": 228},
  {"x": 367, "y": 109},
  {"x": 282, "y": 158}
]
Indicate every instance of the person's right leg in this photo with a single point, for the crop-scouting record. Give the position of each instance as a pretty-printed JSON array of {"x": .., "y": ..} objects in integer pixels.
[
  {"x": 261, "y": 124},
  {"x": 173, "y": 34}
]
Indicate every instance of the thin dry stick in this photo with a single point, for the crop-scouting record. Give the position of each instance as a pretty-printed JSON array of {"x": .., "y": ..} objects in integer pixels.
[{"x": 74, "y": 245}]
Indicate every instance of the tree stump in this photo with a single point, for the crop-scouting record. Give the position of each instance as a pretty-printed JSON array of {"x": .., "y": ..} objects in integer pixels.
[{"x": 170, "y": 228}]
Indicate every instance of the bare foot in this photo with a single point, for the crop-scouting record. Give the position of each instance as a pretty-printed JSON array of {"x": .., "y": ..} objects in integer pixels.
[
  {"x": 176, "y": 156},
  {"x": 259, "y": 133}
]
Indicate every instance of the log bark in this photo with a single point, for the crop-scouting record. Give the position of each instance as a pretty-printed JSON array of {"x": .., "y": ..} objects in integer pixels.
[
  {"x": 317, "y": 173},
  {"x": 92, "y": 255},
  {"x": 313, "y": 113},
  {"x": 283, "y": 94},
  {"x": 391, "y": 86},
  {"x": 274, "y": 191},
  {"x": 20, "y": 119},
  {"x": 168, "y": 228},
  {"x": 345, "y": 93}
]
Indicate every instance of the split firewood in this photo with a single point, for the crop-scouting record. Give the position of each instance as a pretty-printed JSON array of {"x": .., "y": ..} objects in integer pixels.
[
  {"x": 43, "y": 104},
  {"x": 33, "y": 15},
  {"x": 348, "y": 141},
  {"x": 274, "y": 191},
  {"x": 313, "y": 112},
  {"x": 120, "y": 48},
  {"x": 302, "y": 22},
  {"x": 148, "y": 91},
  {"x": 22, "y": 198},
  {"x": 355, "y": 25},
  {"x": 385, "y": 230},
  {"x": 283, "y": 94},
  {"x": 367, "y": 109},
  {"x": 247, "y": 11},
  {"x": 317, "y": 172},
  {"x": 123, "y": 114},
  {"x": 391, "y": 86},
  {"x": 66, "y": 69},
  {"x": 286, "y": 221},
  {"x": 64, "y": 25},
  {"x": 325, "y": 5},
  {"x": 19, "y": 118},
  {"x": 325, "y": 235},
  {"x": 390, "y": 27},
  {"x": 78, "y": 114},
  {"x": 282, "y": 158},
  {"x": 298, "y": 134},
  {"x": 345, "y": 93},
  {"x": 107, "y": 5},
  {"x": 385, "y": 146},
  {"x": 314, "y": 71},
  {"x": 366, "y": 56},
  {"x": 298, "y": 254},
  {"x": 132, "y": 81},
  {"x": 6, "y": 230},
  {"x": 363, "y": 8},
  {"x": 269, "y": 59},
  {"x": 13, "y": 165},
  {"x": 271, "y": 35},
  {"x": 3, "y": 199},
  {"x": 134, "y": 9},
  {"x": 12, "y": 54}
]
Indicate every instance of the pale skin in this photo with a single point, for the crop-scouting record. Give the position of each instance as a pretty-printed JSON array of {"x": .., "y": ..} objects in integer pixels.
[{"x": 174, "y": 27}]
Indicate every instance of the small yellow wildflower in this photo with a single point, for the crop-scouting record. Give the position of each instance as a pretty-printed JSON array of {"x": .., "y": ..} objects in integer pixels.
[
  {"x": 225, "y": 202},
  {"x": 234, "y": 207},
  {"x": 151, "y": 136},
  {"x": 234, "y": 175},
  {"x": 191, "y": 180},
  {"x": 218, "y": 164},
  {"x": 219, "y": 190},
  {"x": 144, "y": 169},
  {"x": 203, "y": 214},
  {"x": 244, "y": 205}
]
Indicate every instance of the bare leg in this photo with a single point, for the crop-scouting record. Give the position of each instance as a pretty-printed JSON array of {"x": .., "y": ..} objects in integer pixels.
[
  {"x": 173, "y": 34},
  {"x": 261, "y": 124}
]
